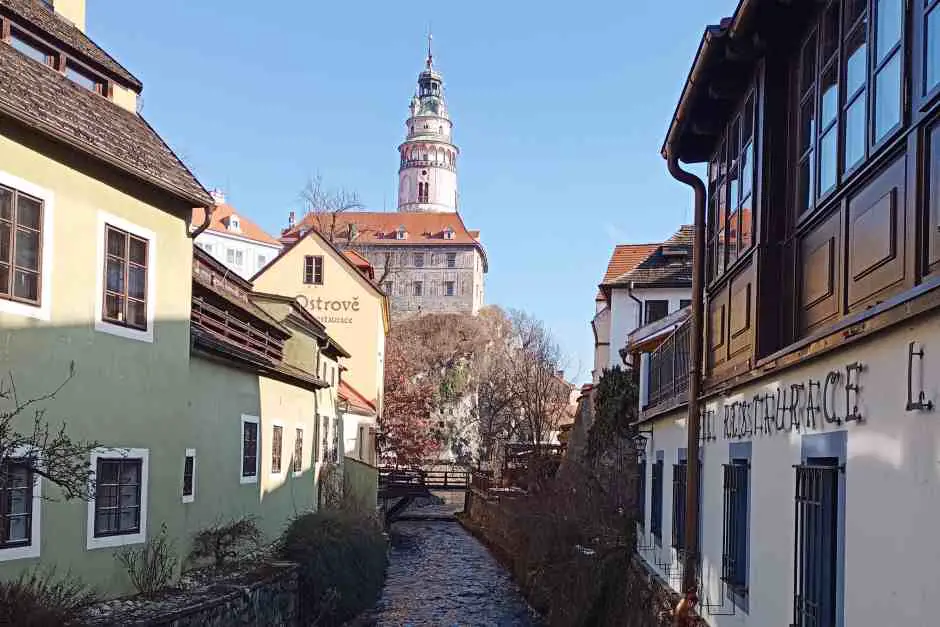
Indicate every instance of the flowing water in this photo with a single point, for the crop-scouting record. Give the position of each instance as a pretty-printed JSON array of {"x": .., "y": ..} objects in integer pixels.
[{"x": 441, "y": 576}]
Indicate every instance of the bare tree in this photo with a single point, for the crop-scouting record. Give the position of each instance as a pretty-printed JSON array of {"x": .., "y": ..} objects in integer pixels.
[
  {"x": 326, "y": 205},
  {"x": 41, "y": 449},
  {"x": 541, "y": 392}
]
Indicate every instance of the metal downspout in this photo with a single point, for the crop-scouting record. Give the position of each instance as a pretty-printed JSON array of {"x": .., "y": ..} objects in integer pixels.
[
  {"x": 691, "y": 556},
  {"x": 639, "y": 321},
  {"x": 205, "y": 223}
]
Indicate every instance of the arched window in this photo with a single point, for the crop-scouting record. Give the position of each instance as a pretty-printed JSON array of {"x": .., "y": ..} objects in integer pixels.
[{"x": 423, "y": 192}]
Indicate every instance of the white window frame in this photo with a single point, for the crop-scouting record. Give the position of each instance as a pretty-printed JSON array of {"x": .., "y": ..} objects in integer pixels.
[
  {"x": 102, "y": 325},
  {"x": 188, "y": 498},
  {"x": 303, "y": 442},
  {"x": 33, "y": 549},
  {"x": 124, "y": 539},
  {"x": 246, "y": 418},
  {"x": 44, "y": 310},
  {"x": 282, "y": 472}
]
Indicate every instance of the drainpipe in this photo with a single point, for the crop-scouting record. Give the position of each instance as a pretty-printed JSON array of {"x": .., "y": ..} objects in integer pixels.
[
  {"x": 205, "y": 223},
  {"x": 639, "y": 319},
  {"x": 691, "y": 557}
]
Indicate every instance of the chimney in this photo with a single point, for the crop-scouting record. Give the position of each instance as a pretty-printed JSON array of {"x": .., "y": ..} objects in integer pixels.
[
  {"x": 218, "y": 196},
  {"x": 291, "y": 218}
]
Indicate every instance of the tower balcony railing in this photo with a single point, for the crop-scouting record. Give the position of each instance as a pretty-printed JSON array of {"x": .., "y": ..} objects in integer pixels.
[{"x": 427, "y": 163}]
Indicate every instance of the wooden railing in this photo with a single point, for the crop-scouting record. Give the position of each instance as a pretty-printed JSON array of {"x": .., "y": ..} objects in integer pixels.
[
  {"x": 227, "y": 327},
  {"x": 668, "y": 374}
]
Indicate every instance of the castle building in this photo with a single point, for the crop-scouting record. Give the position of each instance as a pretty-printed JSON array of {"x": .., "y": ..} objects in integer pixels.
[{"x": 426, "y": 260}]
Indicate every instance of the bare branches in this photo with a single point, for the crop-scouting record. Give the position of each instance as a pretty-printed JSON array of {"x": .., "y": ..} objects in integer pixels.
[
  {"x": 40, "y": 448},
  {"x": 326, "y": 205}
]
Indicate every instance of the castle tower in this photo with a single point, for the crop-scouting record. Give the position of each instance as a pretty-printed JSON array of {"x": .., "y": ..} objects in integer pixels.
[{"x": 427, "y": 176}]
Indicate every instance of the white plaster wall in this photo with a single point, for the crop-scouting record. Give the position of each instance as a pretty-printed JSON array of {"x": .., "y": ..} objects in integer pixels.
[
  {"x": 623, "y": 314},
  {"x": 255, "y": 255},
  {"x": 892, "y": 490},
  {"x": 442, "y": 192}
]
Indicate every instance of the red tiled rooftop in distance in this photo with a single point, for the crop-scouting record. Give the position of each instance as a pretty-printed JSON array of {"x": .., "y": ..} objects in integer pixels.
[
  {"x": 248, "y": 228},
  {"x": 355, "y": 399},
  {"x": 625, "y": 258}
]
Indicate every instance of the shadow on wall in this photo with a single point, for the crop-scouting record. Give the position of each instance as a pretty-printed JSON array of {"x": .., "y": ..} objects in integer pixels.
[{"x": 129, "y": 394}]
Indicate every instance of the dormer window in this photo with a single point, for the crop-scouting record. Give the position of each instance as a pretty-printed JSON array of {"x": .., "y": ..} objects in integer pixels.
[
  {"x": 234, "y": 224},
  {"x": 448, "y": 233},
  {"x": 401, "y": 233}
]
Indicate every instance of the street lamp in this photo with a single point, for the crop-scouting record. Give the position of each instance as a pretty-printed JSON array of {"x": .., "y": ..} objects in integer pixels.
[{"x": 639, "y": 440}]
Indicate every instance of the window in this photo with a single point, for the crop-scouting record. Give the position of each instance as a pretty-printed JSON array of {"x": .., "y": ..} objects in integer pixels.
[
  {"x": 297, "y": 464},
  {"x": 685, "y": 302},
  {"x": 388, "y": 287},
  {"x": 418, "y": 288},
  {"x": 189, "y": 476},
  {"x": 21, "y": 226},
  {"x": 641, "y": 492},
  {"x": 419, "y": 260},
  {"x": 830, "y": 118},
  {"x": 731, "y": 187},
  {"x": 16, "y": 506},
  {"x": 656, "y": 504},
  {"x": 734, "y": 553},
  {"x": 86, "y": 79},
  {"x": 118, "y": 496},
  {"x": 679, "y": 480},
  {"x": 451, "y": 258},
  {"x": 448, "y": 288},
  {"x": 230, "y": 256},
  {"x": 261, "y": 261},
  {"x": 655, "y": 310},
  {"x": 449, "y": 234},
  {"x": 325, "y": 437},
  {"x": 277, "y": 448},
  {"x": 32, "y": 48},
  {"x": 333, "y": 377},
  {"x": 313, "y": 269},
  {"x": 932, "y": 38},
  {"x": 423, "y": 193},
  {"x": 249, "y": 449},
  {"x": 125, "y": 283},
  {"x": 816, "y": 542}
]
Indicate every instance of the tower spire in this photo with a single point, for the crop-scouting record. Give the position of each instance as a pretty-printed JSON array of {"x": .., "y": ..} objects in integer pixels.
[{"x": 430, "y": 60}]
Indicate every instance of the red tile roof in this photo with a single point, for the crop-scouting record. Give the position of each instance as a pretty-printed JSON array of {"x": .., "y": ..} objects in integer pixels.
[
  {"x": 626, "y": 257},
  {"x": 362, "y": 264},
  {"x": 248, "y": 228},
  {"x": 355, "y": 399},
  {"x": 381, "y": 227}
]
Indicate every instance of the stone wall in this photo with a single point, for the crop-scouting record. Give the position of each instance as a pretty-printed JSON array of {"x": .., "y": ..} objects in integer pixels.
[{"x": 268, "y": 598}]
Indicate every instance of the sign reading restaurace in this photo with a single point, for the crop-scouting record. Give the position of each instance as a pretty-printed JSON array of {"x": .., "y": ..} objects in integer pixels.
[{"x": 330, "y": 311}]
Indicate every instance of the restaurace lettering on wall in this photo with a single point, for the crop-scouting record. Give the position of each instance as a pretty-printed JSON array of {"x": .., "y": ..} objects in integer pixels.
[
  {"x": 806, "y": 405},
  {"x": 324, "y": 308}
]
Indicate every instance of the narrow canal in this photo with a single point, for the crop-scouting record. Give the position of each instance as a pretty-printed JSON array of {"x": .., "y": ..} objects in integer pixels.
[{"x": 441, "y": 576}]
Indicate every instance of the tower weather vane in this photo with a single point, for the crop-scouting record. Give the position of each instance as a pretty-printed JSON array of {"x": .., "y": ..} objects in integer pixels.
[{"x": 430, "y": 56}]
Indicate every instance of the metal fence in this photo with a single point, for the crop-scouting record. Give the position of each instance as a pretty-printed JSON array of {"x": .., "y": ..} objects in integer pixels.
[{"x": 669, "y": 367}]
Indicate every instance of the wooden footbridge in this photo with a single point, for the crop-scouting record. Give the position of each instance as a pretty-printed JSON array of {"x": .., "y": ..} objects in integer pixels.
[{"x": 400, "y": 487}]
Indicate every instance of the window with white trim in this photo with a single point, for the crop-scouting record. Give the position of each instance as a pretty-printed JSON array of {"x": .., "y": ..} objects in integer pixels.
[
  {"x": 249, "y": 449},
  {"x": 126, "y": 279},
  {"x": 19, "y": 508},
  {"x": 117, "y": 515},
  {"x": 189, "y": 476}
]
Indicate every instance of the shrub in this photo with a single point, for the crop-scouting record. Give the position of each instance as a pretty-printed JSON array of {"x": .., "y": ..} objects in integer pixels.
[
  {"x": 226, "y": 542},
  {"x": 150, "y": 566},
  {"x": 342, "y": 558},
  {"x": 39, "y": 599}
]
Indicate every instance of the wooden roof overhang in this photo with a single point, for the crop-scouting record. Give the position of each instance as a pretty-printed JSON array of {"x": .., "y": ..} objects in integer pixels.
[{"x": 723, "y": 68}]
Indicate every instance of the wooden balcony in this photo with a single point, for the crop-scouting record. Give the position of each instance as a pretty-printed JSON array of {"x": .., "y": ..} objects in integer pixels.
[
  {"x": 223, "y": 325},
  {"x": 668, "y": 372}
]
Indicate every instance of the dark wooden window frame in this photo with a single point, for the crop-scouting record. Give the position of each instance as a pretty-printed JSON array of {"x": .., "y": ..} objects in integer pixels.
[
  {"x": 56, "y": 58},
  {"x": 5, "y": 505},
  {"x": 277, "y": 449},
  {"x": 926, "y": 95},
  {"x": 735, "y": 160},
  {"x": 250, "y": 449},
  {"x": 647, "y": 309},
  {"x": 7, "y": 291},
  {"x": 313, "y": 269},
  {"x": 823, "y": 200},
  {"x": 127, "y": 264},
  {"x": 119, "y": 508}
]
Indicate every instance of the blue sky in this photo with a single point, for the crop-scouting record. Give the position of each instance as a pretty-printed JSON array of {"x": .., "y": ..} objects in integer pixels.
[{"x": 559, "y": 111}]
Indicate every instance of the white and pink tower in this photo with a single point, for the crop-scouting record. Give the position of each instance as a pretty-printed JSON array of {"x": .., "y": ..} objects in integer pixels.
[{"x": 427, "y": 177}]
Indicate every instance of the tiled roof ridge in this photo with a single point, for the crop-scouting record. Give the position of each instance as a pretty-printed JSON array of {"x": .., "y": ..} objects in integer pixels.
[
  {"x": 69, "y": 36},
  {"x": 225, "y": 210}
]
